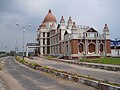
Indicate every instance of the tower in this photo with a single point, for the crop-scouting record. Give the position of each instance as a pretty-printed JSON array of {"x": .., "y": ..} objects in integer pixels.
[
  {"x": 70, "y": 23},
  {"x": 106, "y": 35},
  {"x": 62, "y": 27},
  {"x": 48, "y": 24}
]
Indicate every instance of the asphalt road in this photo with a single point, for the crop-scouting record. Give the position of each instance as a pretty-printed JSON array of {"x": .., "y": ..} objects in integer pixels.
[
  {"x": 34, "y": 80},
  {"x": 95, "y": 73}
]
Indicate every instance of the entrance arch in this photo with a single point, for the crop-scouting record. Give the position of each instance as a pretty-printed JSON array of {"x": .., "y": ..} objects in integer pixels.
[
  {"x": 31, "y": 45},
  {"x": 91, "y": 48}
]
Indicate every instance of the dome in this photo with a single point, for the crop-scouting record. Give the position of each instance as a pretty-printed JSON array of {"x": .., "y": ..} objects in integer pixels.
[
  {"x": 43, "y": 24},
  {"x": 50, "y": 17}
]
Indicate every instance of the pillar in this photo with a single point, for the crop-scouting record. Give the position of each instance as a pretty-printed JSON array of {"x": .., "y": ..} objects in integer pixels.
[{"x": 27, "y": 51}]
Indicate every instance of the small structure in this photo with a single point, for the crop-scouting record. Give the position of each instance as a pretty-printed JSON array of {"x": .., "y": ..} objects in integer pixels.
[
  {"x": 32, "y": 45},
  {"x": 115, "y": 48}
]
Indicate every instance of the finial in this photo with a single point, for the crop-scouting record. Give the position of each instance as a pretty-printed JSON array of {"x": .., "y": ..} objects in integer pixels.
[
  {"x": 69, "y": 17},
  {"x": 105, "y": 24},
  {"x": 62, "y": 20},
  {"x": 62, "y": 17},
  {"x": 50, "y": 11},
  {"x": 73, "y": 23},
  {"x": 74, "y": 26},
  {"x": 106, "y": 27}
]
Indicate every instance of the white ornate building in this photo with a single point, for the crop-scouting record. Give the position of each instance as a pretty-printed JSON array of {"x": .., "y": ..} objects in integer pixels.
[{"x": 71, "y": 41}]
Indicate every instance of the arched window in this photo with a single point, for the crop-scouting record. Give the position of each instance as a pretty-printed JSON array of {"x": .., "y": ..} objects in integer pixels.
[
  {"x": 80, "y": 47},
  {"x": 101, "y": 47}
]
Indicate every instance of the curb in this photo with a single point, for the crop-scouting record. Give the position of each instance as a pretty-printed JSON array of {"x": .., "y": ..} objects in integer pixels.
[
  {"x": 107, "y": 67},
  {"x": 73, "y": 77}
]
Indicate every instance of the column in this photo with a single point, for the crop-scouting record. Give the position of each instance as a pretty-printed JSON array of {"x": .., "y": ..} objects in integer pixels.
[
  {"x": 41, "y": 50},
  {"x": 27, "y": 51},
  {"x": 97, "y": 45}
]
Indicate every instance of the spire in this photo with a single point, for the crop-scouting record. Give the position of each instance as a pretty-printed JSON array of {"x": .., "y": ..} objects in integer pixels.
[
  {"x": 106, "y": 32},
  {"x": 69, "y": 23},
  {"x": 50, "y": 11},
  {"x": 62, "y": 20},
  {"x": 70, "y": 20},
  {"x": 106, "y": 27},
  {"x": 74, "y": 26}
]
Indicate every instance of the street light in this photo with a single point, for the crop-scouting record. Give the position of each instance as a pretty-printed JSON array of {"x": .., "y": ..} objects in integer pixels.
[{"x": 23, "y": 35}]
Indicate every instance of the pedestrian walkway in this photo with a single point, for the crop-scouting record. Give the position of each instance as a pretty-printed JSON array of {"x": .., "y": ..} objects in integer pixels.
[
  {"x": 2, "y": 85},
  {"x": 91, "y": 72}
]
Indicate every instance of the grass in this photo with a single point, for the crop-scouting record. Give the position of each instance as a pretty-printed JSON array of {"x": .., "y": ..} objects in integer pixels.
[
  {"x": 51, "y": 56},
  {"x": 114, "y": 61},
  {"x": 0, "y": 65}
]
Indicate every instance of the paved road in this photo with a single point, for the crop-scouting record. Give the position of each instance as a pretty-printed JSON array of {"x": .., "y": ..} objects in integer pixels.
[
  {"x": 34, "y": 80},
  {"x": 96, "y": 73}
]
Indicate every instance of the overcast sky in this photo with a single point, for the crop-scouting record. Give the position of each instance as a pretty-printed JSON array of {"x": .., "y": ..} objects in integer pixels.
[{"x": 94, "y": 13}]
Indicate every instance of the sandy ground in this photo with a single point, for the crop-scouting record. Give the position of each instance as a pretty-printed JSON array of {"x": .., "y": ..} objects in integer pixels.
[{"x": 10, "y": 82}]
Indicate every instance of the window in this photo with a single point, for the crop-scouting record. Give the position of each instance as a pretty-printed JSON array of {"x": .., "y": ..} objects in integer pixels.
[
  {"x": 80, "y": 47},
  {"x": 59, "y": 37},
  {"x": 48, "y": 42},
  {"x": 43, "y": 41},
  {"x": 67, "y": 48},
  {"x": 43, "y": 50},
  {"x": 101, "y": 47},
  {"x": 43, "y": 34},
  {"x": 48, "y": 34},
  {"x": 48, "y": 50}
]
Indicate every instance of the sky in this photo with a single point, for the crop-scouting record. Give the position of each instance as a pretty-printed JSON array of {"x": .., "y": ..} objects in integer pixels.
[{"x": 93, "y": 13}]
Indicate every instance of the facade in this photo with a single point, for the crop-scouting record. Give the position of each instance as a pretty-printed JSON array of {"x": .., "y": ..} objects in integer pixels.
[{"x": 71, "y": 40}]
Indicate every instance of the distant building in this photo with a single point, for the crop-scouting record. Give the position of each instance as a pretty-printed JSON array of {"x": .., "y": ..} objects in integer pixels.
[
  {"x": 71, "y": 41},
  {"x": 115, "y": 48}
]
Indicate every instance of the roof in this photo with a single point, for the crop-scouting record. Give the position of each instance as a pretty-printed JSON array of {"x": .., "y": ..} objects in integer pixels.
[
  {"x": 32, "y": 44},
  {"x": 91, "y": 30},
  {"x": 115, "y": 43}
]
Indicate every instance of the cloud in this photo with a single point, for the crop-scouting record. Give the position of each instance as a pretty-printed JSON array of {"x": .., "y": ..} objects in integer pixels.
[{"x": 93, "y": 13}]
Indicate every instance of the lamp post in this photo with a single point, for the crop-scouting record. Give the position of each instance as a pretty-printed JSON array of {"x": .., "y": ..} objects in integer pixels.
[{"x": 23, "y": 36}]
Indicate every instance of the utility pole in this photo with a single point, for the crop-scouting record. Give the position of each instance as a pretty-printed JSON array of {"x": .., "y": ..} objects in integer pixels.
[{"x": 23, "y": 37}]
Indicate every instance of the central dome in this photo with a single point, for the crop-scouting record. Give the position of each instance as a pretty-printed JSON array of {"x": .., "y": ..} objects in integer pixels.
[{"x": 50, "y": 17}]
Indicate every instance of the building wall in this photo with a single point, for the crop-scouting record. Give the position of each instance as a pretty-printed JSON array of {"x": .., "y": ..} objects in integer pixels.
[
  {"x": 108, "y": 46},
  {"x": 115, "y": 52},
  {"x": 74, "y": 46}
]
